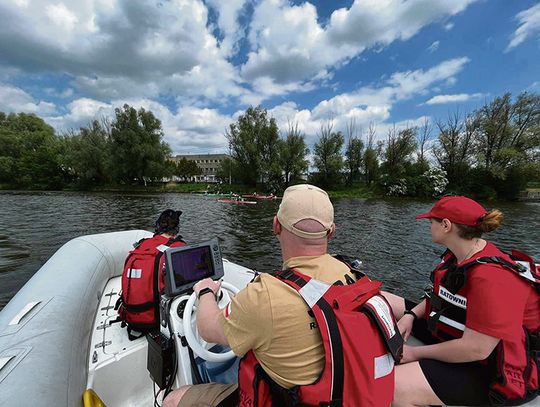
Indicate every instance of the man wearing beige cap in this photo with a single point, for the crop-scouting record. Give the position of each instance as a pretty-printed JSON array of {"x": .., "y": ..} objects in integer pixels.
[{"x": 267, "y": 316}]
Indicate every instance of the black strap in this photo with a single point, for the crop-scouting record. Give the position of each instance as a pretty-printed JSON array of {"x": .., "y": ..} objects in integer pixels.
[
  {"x": 118, "y": 303},
  {"x": 337, "y": 351},
  {"x": 289, "y": 275},
  {"x": 352, "y": 263},
  {"x": 139, "y": 307},
  {"x": 518, "y": 268},
  {"x": 132, "y": 336},
  {"x": 194, "y": 368},
  {"x": 156, "y": 286}
]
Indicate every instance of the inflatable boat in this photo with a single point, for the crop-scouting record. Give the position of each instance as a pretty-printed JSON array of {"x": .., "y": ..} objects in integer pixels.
[
  {"x": 60, "y": 344},
  {"x": 57, "y": 341}
]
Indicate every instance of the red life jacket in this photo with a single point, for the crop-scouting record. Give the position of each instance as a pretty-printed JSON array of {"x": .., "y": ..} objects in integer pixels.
[
  {"x": 142, "y": 282},
  {"x": 361, "y": 344},
  {"x": 516, "y": 363}
]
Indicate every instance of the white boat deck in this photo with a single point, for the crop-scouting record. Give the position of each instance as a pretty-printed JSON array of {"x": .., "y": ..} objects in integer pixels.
[{"x": 114, "y": 358}]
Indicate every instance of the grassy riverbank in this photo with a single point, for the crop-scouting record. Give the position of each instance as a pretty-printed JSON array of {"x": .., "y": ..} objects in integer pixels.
[{"x": 358, "y": 190}]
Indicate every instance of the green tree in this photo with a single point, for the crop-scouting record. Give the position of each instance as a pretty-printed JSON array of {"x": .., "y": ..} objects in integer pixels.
[
  {"x": 354, "y": 153},
  {"x": 30, "y": 152},
  {"x": 507, "y": 141},
  {"x": 423, "y": 139},
  {"x": 228, "y": 171},
  {"x": 400, "y": 146},
  {"x": 253, "y": 142},
  {"x": 292, "y": 155},
  {"x": 507, "y": 133},
  {"x": 371, "y": 156},
  {"x": 87, "y": 154},
  {"x": 138, "y": 151},
  {"x": 327, "y": 156},
  {"x": 187, "y": 169},
  {"x": 454, "y": 149}
]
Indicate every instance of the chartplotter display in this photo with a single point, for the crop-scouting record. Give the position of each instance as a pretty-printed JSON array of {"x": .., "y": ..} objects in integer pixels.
[{"x": 185, "y": 265}]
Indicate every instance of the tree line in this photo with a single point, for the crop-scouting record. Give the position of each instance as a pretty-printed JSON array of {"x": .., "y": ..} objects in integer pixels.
[
  {"x": 492, "y": 151},
  {"x": 127, "y": 150}
]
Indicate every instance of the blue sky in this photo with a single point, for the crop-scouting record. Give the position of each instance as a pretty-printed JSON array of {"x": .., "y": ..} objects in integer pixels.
[{"x": 199, "y": 64}]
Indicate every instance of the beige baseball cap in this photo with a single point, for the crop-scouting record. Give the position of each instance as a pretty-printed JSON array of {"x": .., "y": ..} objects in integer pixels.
[{"x": 302, "y": 202}]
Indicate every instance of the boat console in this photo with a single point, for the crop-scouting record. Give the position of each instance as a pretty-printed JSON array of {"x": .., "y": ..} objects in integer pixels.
[{"x": 179, "y": 339}]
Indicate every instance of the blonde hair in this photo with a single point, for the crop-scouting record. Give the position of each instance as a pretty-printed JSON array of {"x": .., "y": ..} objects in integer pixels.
[{"x": 488, "y": 223}]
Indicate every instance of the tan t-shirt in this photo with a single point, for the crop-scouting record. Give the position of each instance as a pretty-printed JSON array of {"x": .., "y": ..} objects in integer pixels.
[{"x": 271, "y": 318}]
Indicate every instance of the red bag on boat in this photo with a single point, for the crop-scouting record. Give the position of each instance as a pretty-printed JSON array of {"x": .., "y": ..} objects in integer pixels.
[{"x": 142, "y": 283}]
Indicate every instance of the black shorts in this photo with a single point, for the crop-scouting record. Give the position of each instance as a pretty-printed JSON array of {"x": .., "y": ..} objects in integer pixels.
[{"x": 455, "y": 384}]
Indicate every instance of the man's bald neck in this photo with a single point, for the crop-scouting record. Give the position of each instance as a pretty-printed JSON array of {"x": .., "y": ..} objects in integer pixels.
[{"x": 295, "y": 246}]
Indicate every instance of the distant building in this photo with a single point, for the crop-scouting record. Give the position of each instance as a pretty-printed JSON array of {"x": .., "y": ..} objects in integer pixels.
[{"x": 208, "y": 163}]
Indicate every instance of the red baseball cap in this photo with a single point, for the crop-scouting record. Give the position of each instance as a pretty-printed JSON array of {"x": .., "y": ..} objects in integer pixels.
[{"x": 457, "y": 209}]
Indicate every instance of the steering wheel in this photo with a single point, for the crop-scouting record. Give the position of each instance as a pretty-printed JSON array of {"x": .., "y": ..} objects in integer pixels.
[{"x": 193, "y": 338}]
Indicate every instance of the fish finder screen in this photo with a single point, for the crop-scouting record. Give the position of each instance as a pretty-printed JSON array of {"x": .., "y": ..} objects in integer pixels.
[{"x": 192, "y": 265}]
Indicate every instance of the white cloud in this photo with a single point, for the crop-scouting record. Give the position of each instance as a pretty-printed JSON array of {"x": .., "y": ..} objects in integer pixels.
[
  {"x": 368, "y": 104},
  {"x": 400, "y": 86},
  {"x": 13, "y": 99},
  {"x": 119, "y": 49},
  {"x": 448, "y": 26},
  {"x": 125, "y": 49},
  {"x": 529, "y": 21},
  {"x": 434, "y": 46},
  {"x": 461, "y": 97},
  {"x": 228, "y": 14},
  {"x": 188, "y": 130},
  {"x": 60, "y": 15},
  {"x": 293, "y": 47}
]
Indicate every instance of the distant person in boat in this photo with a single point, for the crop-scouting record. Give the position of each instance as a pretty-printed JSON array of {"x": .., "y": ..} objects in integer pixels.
[
  {"x": 269, "y": 317},
  {"x": 476, "y": 322}
]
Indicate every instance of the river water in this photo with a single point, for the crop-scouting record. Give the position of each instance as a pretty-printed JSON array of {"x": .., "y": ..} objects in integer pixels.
[{"x": 394, "y": 247}]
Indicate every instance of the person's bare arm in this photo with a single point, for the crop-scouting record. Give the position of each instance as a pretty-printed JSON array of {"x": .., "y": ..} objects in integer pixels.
[
  {"x": 208, "y": 313},
  {"x": 473, "y": 346}
]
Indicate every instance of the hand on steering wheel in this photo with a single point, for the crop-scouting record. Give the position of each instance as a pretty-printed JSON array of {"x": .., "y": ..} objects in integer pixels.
[
  {"x": 190, "y": 326},
  {"x": 207, "y": 283}
]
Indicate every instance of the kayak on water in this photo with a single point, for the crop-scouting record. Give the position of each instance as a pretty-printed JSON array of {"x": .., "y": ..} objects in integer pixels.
[
  {"x": 236, "y": 201},
  {"x": 260, "y": 197}
]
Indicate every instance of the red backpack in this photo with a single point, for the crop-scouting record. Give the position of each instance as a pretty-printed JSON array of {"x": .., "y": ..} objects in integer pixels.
[
  {"x": 142, "y": 283},
  {"x": 361, "y": 344}
]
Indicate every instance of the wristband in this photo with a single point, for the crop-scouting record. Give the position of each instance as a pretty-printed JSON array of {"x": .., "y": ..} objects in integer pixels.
[
  {"x": 205, "y": 290},
  {"x": 410, "y": 312}
]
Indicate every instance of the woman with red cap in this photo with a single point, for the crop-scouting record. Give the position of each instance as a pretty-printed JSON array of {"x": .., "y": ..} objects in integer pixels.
[{"x": 480, "y": 323}]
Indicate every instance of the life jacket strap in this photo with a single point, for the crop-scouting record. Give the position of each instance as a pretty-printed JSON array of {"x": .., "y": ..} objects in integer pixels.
[
  {"x": 380, "y": 312},
  {"x": 354, "y": 265},
  {"x": 289, "y": 275},
  {"x": 312, "y": 292}
]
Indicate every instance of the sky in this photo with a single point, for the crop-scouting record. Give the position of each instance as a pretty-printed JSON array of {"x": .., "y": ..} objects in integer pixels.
[{"x": 197, "y": 65}]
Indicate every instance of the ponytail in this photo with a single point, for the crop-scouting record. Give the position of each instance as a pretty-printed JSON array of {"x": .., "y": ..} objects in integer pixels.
[
  {"x": 487, "y": 223},
  {"x": 491, "y": 221}
]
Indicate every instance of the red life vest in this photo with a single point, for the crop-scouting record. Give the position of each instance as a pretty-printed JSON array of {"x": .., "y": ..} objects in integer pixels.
[
  {"x": 516, "y": 363},
  {"x": 142, "y": 282},
  {"x": 361, "y": 344}
]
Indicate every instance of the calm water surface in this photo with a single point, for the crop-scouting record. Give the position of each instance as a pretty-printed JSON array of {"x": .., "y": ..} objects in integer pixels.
[{"x": 394, "y": 247}]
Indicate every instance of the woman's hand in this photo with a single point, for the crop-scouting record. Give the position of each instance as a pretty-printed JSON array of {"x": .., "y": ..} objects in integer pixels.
[
  {"x": 408, "y": 354},
  {"x": 405, "y": 325}
]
